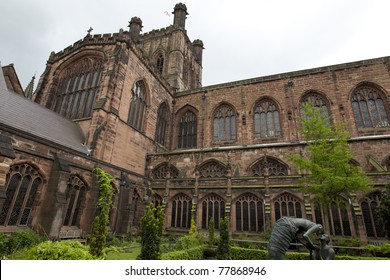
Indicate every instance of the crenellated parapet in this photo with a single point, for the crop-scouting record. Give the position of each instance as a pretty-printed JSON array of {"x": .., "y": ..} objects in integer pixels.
[{"x": 91, "y": 40}]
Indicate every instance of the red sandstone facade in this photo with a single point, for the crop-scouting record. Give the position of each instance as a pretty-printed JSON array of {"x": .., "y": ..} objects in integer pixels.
[{"x": 201, "y": 152}]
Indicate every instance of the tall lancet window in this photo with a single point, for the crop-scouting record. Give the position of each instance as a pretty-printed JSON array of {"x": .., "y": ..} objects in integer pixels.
[
  {"x": 137, "y": 105},
  {"x": 224, "y": 124},
  {"x": 369, "y": 108},
  {"x": 21, "y": 188},
  {"x": 266, "y": 118},
  {"x": 78, "y": 88},
  {"x": 187, "y": 130},
  {"x": 162, "y": 123}
]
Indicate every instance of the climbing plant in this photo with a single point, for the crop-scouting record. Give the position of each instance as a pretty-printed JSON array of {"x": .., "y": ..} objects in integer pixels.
[{"x": 105, "y": 201}]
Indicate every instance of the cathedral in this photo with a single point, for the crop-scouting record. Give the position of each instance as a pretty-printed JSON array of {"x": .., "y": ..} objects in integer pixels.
[{"x": 132, "y": 104}]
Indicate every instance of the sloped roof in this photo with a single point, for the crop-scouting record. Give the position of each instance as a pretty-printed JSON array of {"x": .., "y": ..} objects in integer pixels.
[{"x": 24, "y": 115}]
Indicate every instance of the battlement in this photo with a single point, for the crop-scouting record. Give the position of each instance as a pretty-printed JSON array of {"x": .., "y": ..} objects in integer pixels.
[
  {"x": 157, "y": 32},
  {"x": 97, "y": 39}
]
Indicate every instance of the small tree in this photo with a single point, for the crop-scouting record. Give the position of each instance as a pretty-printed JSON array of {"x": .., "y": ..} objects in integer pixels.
[
  {"x": 193, "y": 239},
  {"x": 327, "y": 158},
  {"x": 152, "y": 228},
  {"x": 211, "y": 232},
  {"x": 105, "y": 201},
  {"x": 223, "y": 249},
  {"x": 383, "y": 211}
]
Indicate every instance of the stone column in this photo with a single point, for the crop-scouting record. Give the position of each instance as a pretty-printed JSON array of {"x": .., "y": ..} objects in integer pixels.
[{"x": 7, "y": 155}]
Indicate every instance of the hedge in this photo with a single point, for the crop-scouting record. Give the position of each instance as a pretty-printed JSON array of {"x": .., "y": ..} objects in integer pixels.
[{"x": 195, "y": 253}]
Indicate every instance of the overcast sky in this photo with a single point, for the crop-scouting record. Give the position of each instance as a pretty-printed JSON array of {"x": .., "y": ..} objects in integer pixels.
[{"x": 242, "y": 38}]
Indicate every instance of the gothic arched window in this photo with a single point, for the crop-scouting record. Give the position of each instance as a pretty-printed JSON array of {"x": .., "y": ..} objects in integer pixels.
[
  {"x": 21, "y": 189},
  {"x": 137, "y": 105},
  {"x": 271, "y": 165},
  {"x": 138, "y": 209},
  {"x": 212, "y": 169},
  {"x": 156, "y": 200},
  {"x": 369, "y": 108},
  {"x": 317, "y": 101},
  {"x": 224, "y": 124},
  {"x": 187, "y": 130},
  {"x": 160, "y": 63},
  {"x": 162, "y": 171},
  {"x": 266, "y": 119},
  {"x": 78, "y": 88},
  {"x": 373, "y": 227},
  {"x": 338, "y": 217},
  {"x": 249, "y": 213},
  {"x": 75, "y": 196},
  {"x": 181, "y": 211},
  {"x": 213, "y": 208},
  {"x": 287, "y": 205},
  {"x": 162, "y": 123}
]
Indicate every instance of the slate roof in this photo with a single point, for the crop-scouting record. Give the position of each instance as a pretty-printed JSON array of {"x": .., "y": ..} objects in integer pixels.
[{"x": 27, "y": 116}]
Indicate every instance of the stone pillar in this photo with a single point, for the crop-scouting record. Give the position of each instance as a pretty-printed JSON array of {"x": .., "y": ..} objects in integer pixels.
[
  {"x": 51, "y": 216},
  {"x": 7, "y": 155}
]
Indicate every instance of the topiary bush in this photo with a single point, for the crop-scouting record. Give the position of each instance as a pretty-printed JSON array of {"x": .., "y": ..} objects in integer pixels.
[
  {"x": 151, "y": 232},
  {"x": 59, "y": 250},
  {"x": 223, "y": 249}
]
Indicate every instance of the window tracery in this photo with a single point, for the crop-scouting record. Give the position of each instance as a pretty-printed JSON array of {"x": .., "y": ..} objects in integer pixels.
[
  {"x": 78, "y": 88},
  {"x": 373, "y": 227},
  {"x": 187, "y": 130},
  {"x": 272, "y": 166},
  {"x": 181, "y": 211},
  {"x": 267, "y": 119},
  {"x": 212, "y": 169},
  {"x": 163, "y": 170},
  {"x": 369, "y": 108},
  {"x": 23, "y": 182},
  {"x": 137, "y": 105},
  {"x": 249, "y": 213},
  {"x": 287, "y": 205},
  {"x": 213, "y": 208},
  {"x": 224, "y": 124},
  {"x": 75, "y": 196}
]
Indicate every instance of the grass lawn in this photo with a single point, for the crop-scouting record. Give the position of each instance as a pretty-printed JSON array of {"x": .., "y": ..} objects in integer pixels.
[{"x": 130, "y": 254}]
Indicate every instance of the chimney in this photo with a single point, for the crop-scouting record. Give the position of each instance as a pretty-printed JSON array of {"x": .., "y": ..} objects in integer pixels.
[
  {"x": 180, "y": 12},
  {"x": 135, "y": 25}
]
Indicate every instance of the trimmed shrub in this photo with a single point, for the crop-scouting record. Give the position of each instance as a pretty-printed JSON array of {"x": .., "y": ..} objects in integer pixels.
[
  {"x": 223, "y": 250},
  {"x": 59, "y": 250},
  {"x": 194, "y": 253},
  {"x": 238, "y": 253}
]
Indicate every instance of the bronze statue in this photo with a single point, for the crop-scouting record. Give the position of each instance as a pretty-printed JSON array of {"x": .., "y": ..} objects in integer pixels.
[
  {"x": 288, "y": 229},
  {"x": 324, "y": 251}
]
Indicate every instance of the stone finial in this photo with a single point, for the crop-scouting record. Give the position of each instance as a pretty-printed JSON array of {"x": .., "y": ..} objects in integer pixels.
[
  {"x": 180, "y": 12},
  {"x": 198, "y": 49},
  {"x": 135, "y": 25}
]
